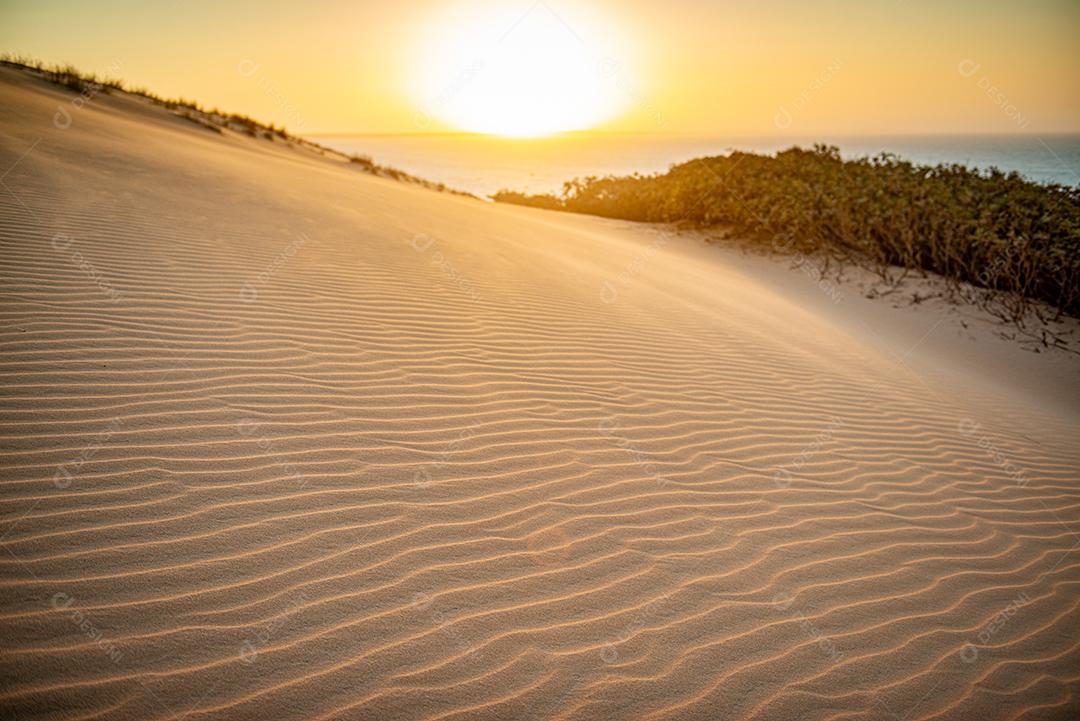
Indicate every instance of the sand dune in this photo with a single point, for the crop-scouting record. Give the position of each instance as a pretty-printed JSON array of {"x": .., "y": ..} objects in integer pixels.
[{"x": 282, "y": 440}]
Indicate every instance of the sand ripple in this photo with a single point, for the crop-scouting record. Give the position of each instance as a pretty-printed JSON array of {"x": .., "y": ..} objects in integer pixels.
[{"x": 281, "y": 440}]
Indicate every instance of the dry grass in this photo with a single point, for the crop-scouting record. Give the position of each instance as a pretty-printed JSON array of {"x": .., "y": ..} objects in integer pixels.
[{"x": 214, "y": 120}]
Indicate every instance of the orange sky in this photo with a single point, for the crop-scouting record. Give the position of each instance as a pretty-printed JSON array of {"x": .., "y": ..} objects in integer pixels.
[{"x": 766, "y": 68}]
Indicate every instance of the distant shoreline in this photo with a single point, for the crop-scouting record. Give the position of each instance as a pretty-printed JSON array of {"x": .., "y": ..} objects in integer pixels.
[{"x": 482, "y": 165}]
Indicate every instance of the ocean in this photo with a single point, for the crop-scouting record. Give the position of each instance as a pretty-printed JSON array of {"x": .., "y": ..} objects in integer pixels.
[{"x": 483, "y": 165}]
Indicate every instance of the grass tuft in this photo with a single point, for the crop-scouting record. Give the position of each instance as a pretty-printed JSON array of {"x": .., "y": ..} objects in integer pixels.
[{"x": 88, "y": 84}]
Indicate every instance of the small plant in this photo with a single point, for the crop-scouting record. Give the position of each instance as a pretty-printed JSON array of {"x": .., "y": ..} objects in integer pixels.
[{"x": 363, "y": 161}]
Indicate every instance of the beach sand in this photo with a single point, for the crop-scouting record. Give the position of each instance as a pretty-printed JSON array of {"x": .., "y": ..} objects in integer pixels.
[{"x": 284, "y": 440}]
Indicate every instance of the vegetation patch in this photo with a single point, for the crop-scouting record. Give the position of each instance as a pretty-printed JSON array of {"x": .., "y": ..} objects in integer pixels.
[{"x": 1008, "y": 244}]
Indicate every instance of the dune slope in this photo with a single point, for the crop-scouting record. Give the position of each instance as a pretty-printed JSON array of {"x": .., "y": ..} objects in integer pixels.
[{"x": 284, "y": 440}]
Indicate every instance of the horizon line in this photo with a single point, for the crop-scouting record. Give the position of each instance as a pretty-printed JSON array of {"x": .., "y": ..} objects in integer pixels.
[{"x": 710, "y": 134}]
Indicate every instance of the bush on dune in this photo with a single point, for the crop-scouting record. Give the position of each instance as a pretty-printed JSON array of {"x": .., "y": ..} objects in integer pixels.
[
  {"x": 1012, "y": 240},
  {"x": 547, "y": 201}
]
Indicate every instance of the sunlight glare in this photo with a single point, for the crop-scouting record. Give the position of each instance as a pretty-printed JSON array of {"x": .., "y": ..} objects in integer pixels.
[{"x": 523, "y": 71}]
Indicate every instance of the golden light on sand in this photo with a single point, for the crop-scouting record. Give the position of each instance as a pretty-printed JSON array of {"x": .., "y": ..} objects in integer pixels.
[{"x": 518, "y": 70}]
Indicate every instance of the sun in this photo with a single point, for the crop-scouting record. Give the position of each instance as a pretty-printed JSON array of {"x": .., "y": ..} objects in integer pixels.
[{"x": 518, "y": 70}]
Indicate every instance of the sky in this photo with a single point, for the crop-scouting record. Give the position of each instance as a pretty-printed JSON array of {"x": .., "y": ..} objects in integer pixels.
[{"x": 773, "y": 67}]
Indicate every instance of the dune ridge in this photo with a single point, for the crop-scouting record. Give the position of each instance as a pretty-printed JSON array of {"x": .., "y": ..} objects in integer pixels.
[{"x": 282, "y": 439}]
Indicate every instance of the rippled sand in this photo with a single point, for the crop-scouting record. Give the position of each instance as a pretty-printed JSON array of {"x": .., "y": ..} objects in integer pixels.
[{"x": 281, "y": 440}]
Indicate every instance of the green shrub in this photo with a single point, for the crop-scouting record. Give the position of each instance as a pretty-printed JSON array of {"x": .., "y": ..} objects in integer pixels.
[{"x": 1014, "y": 240}]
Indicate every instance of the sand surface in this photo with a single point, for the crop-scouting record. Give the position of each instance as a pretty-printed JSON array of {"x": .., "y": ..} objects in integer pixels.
[{"x": 282, "y": 440}]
